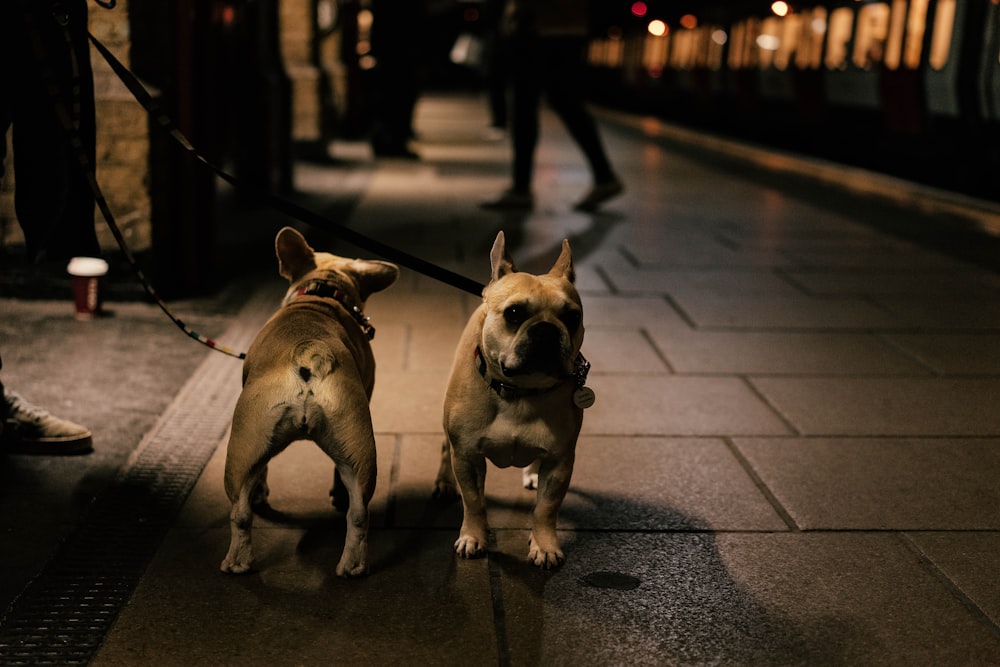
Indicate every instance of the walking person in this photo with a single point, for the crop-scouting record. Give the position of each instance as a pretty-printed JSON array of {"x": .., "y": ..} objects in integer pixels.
[{"x": 544, "y": 46}]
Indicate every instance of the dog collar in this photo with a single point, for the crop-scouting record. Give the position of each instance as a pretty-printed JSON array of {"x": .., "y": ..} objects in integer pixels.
[
  {"x": 583, "y": 397},
  {"x": 327, "y": 290}
]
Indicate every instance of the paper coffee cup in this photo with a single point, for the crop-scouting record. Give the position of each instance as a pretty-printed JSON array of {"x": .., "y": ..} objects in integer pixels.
[{"x": 87, "y": 276}]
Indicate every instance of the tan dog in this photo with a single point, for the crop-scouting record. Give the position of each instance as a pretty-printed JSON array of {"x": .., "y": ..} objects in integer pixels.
[
  {"x": 516, "y": 397},
  {"x": 309, "y": 375}
]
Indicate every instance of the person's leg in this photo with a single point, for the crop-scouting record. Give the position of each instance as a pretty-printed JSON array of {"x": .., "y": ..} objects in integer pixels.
[
  {"x": 525, "y": 97},
  {"x": 53, "y": 201},
  {"x": 563, "y": 92},
  {"x": 46, "y": 202},
  {"x": 526, "y": 94}
]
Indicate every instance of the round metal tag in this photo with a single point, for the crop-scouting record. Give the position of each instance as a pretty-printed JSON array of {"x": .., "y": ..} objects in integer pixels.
[{"x": 583, "y": 397}]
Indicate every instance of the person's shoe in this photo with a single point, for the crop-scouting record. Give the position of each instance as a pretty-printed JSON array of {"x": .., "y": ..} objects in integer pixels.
[
  {"x": 510, "y": 200},
  {"x": 600, "y": 193},
  {"x": 28, "y": 429}
]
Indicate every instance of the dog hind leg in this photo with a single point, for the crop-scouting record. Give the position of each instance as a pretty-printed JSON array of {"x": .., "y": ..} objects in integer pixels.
[
  {"x": 354, "y": 559},
  {"x": 352, "y": 449},
  {"x": 444, "y": 483},
  {"x": 249, "y": 449},
  {"x": 239, "y": 558}
]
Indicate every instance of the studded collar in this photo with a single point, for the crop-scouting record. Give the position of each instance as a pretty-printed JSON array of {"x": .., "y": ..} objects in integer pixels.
[{"x": 325, "y": 289}]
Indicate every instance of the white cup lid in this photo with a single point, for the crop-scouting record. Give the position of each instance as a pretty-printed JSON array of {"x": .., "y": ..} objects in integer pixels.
[{"x": 87, "y": 266}]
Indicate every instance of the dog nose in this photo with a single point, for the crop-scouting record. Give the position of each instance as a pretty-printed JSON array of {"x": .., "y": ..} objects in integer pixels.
[{"x": 545, "y": 334}]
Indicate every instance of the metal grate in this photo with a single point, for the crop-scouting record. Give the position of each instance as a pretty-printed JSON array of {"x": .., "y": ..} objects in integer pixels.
[{"x": 61, "y": 618}]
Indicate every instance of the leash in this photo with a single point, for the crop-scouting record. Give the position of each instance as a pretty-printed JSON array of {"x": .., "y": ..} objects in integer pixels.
[
  {"x": 285, "y": 206},
  {"x": 89, "y": 172}
]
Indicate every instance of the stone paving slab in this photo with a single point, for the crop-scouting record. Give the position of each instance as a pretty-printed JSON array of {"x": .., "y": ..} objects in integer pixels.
[
  {"x": 886, "y": 406},
  {"x": 295, "y": 611},
  {"x": 881, "y": 484},
  {"x": 806, "y": 353},
  {"x": 966, "y": 558},
  {"x": 678, "y": 405},
  {"x": 741, "y": 599},
  {"x": 953, "y": 354}
]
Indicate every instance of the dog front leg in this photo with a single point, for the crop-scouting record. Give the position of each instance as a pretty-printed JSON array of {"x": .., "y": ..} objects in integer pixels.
[
  {"x": 553, "y": 483},
  {"x": 470, "y": 473}
]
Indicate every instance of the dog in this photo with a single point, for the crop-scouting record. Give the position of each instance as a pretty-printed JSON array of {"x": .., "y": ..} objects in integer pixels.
[
  {"x": 309, "y": 375},
  {"x": 516, "y": 396}
]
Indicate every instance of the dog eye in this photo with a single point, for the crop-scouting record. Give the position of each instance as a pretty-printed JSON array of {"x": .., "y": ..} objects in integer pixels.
[
  {"x": 515, "y": 315},
  {"x": 571, "y": 319}
]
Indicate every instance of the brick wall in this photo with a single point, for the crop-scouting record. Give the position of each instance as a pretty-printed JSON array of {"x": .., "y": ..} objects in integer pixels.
[{"x": 122, "y": 126}]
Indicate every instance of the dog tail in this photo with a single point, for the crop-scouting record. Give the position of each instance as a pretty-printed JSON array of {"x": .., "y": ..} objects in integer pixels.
[{"x": 314, "y": 359}]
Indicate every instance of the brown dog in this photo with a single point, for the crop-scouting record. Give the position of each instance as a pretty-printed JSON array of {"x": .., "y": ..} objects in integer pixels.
[
  {"x": 516, "y": 397},
  {"x": 309, "y": 375}
]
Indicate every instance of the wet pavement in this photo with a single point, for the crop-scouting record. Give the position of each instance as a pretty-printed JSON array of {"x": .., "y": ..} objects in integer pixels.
[{"x": 794, "y": 457}]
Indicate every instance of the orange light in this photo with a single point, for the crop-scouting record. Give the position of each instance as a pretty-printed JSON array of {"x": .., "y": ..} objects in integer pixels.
[{"x": 689, "y": 21}]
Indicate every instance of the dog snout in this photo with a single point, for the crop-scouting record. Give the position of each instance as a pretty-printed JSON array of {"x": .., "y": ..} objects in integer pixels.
[
  {"x": 541, "y": 350},
  {"x": 545, "y": 335}
]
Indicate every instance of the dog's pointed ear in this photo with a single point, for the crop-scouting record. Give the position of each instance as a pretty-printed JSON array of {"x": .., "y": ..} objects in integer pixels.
[
  {"x": 564, "y": 265},
  {"x": 295, "y": 257},
  {"x": 373, "y": 275},
  {"x": 500, "y": 262}
]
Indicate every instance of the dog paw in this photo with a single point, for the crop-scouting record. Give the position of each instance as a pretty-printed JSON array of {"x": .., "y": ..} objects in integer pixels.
[
  {"x": 352, "y": 571},
  {"x": 469, "y": 546},
  {"x": 233, "y": 567},
  {"x": 547, "y": 559}
]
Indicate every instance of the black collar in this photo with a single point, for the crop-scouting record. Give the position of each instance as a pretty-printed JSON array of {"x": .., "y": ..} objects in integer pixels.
[
  {"x": 510, "y": 392},
  {"x": 328, "y": 290}
]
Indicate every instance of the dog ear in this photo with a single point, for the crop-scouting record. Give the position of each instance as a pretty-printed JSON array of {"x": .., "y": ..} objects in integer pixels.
[
  {"x": 373, "y": 275},
  {"x": 500, "y": 262},
  {"x": 295, "y": 257},
  {"x": 564, "y": 265}
]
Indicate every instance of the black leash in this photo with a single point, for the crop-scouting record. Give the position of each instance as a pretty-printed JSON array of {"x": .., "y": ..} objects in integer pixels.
[
  {"x": 70, "y": 127},
  {"x": 289, "y": 208}
]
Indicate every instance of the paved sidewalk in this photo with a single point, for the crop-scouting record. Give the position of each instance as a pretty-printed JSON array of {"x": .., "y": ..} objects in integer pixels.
[{"x": 794, "y": 457}]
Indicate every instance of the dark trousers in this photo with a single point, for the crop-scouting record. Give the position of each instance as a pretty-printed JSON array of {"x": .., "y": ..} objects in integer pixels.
[
  {"x": 551, "y": 66},
  {"x": 52, "y": 199}
]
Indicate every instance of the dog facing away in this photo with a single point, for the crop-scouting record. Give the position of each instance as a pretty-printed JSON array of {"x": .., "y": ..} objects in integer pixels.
[
  {"x": 516, "y": 396},
  {"x": 309, "y": 375}
]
